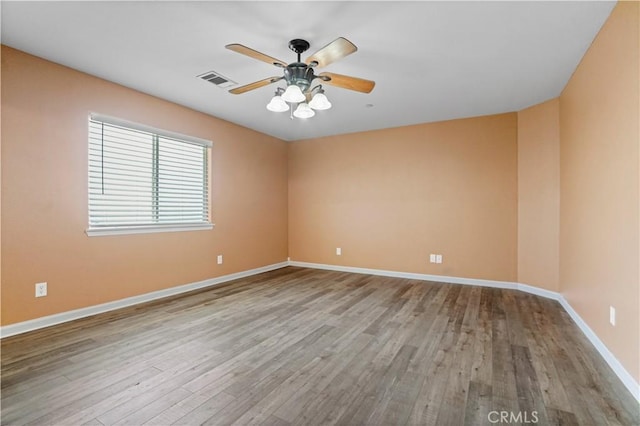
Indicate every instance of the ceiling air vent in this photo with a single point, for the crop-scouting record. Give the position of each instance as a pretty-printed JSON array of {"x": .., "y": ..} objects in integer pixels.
[{"x": 217, "y": 79}]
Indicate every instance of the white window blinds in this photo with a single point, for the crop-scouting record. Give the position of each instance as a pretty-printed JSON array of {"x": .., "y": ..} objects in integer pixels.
[{"x": 145, "y": 178}]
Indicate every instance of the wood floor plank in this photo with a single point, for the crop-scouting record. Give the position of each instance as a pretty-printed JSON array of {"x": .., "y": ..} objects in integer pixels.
[
  {"x": 290, "y": 356},
  {"x": 503, "y": 383},
  {"x": 41, "y": 385},
  {"x": 478, "y": 406},
  {"x": 297, "y": 346},
  {"x": 341, "y": 363},
  {"x": 455, "y": 392},
  {"x": 384, "y": 388},
  {"x": 273, "y": 421},
  {"x": 93, "y": 422},
  {"x": 334, "y": 389},
  {"x": 252, "y": 396},
  {"x": 144, "y": 413},
  {"x": 170, "y": 414},
  {"x": 529, "y": 393},
  {"x": 427, "y": 406},
  {"x": 553, "y": 396},
  {"x": 559, "y": 417},
  {"x": 481, "y": 369},
  {"x": 292, "y": 386},
  {"x": 205, "y": 411},
  {"x": 77, "y": 401}
]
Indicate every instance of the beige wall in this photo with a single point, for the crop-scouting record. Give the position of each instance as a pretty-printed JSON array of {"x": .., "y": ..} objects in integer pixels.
[
  {"x": 44, "y": 196},
  {"x": 389, "y": 198},
  {"x": 599, "y": 210},
  {"x": 0, "y": 198},
  {"x": 539, "y": 195}
]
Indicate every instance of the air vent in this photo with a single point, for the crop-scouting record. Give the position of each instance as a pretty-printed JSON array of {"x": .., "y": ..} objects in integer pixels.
[{"x": 217, "y": 79}]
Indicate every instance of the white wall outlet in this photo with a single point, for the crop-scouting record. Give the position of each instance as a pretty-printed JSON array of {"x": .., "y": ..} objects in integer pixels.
[
  {"x": 612, "y": 315},
  {"x": 41, "y": 289},
  {"x": 219, "y": 259},
  {"x": 338, "y": 251},
  {"x": 438, "y": 258},
  {"x": 432, "y": 258}
]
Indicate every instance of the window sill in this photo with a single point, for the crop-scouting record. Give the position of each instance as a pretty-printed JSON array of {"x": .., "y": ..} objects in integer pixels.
[{"x": 149, "y": 229}]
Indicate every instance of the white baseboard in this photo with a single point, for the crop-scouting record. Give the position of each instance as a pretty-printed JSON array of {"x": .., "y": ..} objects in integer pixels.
[
  {"x": 409, "y": 275},
  {"x": 42, "y": 322},
  {"x": 627, "y": 379},
  {"x": 540, "y": 292}
]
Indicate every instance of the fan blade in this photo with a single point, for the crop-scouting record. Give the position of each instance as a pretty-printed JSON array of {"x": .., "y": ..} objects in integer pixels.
[
  {"x": 337, "y": 49},
  {"x": 347, "y": 82},
  {"x": 255, "y": 54},
  {"x": 254, "y": 85}
]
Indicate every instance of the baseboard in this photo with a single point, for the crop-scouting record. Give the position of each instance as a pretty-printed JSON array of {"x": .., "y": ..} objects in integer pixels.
[
  {"x": 42, "y": 322},
  {"x": 548, "y": 294},
  {"x": 626, "y": 378},
  {"x": 409, "y": 275},
  {"x": 35, "y": 324}
]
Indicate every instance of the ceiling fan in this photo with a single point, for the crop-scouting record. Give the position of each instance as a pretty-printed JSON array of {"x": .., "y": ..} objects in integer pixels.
[{"x": 300, "y": 76}]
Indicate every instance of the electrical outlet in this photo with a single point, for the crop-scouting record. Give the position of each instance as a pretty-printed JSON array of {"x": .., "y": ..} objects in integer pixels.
[
  {"x": 438, "y": 258},
  {"x": 338, "y": 251},
  {"x": 612, "y": 315},
  {"x": 432, "y": 258},
  {"x": 41, "y": 289},
  {"x": 219, "y": 259}
]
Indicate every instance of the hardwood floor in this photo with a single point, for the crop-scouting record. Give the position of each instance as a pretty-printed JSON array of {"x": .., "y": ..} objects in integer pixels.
[{"x": 305, "y": 347}]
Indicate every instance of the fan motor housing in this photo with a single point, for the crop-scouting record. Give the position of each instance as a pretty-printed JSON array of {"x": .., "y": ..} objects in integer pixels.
[{"x": 300, "y": 74}]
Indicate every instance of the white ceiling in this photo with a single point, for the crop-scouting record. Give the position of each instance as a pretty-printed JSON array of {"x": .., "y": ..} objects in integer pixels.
[{"x": 431, "y": 61}]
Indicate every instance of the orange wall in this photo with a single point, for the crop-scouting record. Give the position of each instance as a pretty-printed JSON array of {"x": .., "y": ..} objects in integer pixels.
[
  {"x": 44, "y": 196},
  {"x": 0, "y": 199},
  {"x": 539, "y": 195},
  {"x": 599, "y": 208},
  {"x": 389, "y": 198}
]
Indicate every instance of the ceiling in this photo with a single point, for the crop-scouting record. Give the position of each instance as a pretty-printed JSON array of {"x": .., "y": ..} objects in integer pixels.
[{"x": 431, "y": 61}]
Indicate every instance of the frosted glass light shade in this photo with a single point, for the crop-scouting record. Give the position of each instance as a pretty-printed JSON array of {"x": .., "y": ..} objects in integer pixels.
[
  {"x": 320, "y": 102},
  {"x": 304, "y": 111},
  {"x": 293, "y": 94},
  {"x": 277, "y": 104}
]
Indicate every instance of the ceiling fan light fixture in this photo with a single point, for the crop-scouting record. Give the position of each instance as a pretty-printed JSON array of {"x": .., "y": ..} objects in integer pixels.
[
  {"x": 304, "y": 111},
  {"x": 277, "y": 104},
  {"x": 293, "y": 94},
  {"x": 320, "y": 102},
  {"x": 300, "y": 97}
]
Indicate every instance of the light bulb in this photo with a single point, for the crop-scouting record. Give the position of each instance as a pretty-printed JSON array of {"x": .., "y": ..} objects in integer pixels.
[
  {"x": 293, "y": 94},
  {"x": 277, "y": 104},
  {"x": 320, "y": 102},
  {"x": 303, "y": 111}
]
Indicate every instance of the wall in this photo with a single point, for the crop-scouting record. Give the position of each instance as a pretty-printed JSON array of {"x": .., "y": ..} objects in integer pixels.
[
  {"x": 389, "y": 198},
  {"x": 539, "y": 195},
  {"x": 44, "y": 196},
  {"x": 599, "y": 169},
  {"x": 0, "y": 199}
]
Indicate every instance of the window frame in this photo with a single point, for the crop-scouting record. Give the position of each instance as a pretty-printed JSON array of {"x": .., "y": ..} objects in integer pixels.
[{"x": 156, "y": 133}]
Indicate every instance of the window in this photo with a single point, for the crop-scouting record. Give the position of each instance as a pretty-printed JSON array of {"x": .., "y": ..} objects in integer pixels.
[{"x": 143, "y": 179}]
